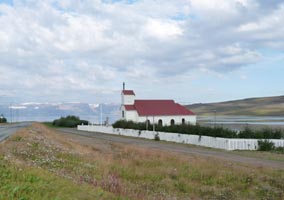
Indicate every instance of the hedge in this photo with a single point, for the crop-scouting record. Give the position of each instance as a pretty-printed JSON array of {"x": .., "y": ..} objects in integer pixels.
[
  {"x": 266, "y": 133},
  {"x": 69, "y": 121}
]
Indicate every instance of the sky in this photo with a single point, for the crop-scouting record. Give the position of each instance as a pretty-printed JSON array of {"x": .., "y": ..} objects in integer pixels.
[{"x": 191, "y": 51}]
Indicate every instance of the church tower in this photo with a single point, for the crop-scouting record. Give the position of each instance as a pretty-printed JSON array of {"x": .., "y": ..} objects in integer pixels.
[{"x": 127, "y": 96}]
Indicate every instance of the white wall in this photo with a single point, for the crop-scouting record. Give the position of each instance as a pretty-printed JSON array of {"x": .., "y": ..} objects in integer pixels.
[
  {"x": 130, "y": 115},
  {"x": 133, "y": 116},
  {"x": 167, "y": 119},
  {"x": 127, "y": 99},
  {"x": 219, "y": 143}
]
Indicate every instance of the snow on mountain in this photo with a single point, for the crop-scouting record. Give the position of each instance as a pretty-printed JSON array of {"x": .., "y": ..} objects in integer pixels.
[{"x": 33, "y": 111}]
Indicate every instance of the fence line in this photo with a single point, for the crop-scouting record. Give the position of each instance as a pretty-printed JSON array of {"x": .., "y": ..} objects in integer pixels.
[{"x": 214, "y": 142}]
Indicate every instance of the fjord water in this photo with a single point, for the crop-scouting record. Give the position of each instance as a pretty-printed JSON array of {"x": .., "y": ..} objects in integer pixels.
[{"x": 239, "y": 122}]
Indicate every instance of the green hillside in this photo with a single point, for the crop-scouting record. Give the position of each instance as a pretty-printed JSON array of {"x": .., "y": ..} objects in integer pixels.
[{"x": 264, "y": 106}]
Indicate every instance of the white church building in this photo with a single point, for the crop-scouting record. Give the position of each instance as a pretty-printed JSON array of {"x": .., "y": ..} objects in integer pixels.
[{"x": 162, "y": 112}]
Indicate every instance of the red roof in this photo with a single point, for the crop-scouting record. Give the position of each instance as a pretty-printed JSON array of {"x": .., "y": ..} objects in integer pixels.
[
  {"x": 129, "y": 107},
  {"x": 158, "y": 108},
  {"x": 128, "y": 92}
]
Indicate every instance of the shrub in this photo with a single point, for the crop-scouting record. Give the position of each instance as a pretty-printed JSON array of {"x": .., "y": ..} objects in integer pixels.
[
  {"x": 69, "y": 121},
  {"x": 157, "y": 137},
  {"x": 3, "y": 119},
  {"x": 279, "y": 150},
  {"x": 183, "y": 129},
  {"x": 265, "y": 145},
  {"x": 266, "y": 133}
]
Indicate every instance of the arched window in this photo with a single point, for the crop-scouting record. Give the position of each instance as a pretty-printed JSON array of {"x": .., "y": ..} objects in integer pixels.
[
  {"x": 172, "y": 122},
  {"x": 183, "y": 121},
  {"x": 160, "y": 122},
  {"x": 147, "y": 123}
]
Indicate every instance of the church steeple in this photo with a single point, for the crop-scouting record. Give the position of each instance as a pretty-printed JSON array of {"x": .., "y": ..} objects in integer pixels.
[{"x": 127, "y": 96}]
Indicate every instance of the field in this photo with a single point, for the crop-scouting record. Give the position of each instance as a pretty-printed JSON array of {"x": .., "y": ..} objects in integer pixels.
[{"x": 39, "y": 163}]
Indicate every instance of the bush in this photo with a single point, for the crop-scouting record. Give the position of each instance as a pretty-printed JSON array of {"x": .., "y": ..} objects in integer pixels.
[
  {"x": 266, "y": 133},
  {"x": 279, "y": 149},
  {"x": 157, "y": 137},
  {"x": 183, "y": 129},
  {"x": 265, "y": 145},
  {"x": 69, "y": 121},
  {"x": 3, "y": 119}
]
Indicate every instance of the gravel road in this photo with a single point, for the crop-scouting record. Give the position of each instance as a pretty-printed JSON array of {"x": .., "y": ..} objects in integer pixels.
[
  {"x": 89, "y": 137},
  {"x": 9, "y": 129}
]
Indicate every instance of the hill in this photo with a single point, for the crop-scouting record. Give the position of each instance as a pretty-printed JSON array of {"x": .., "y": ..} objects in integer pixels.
[{"x": 264, "y": 106}]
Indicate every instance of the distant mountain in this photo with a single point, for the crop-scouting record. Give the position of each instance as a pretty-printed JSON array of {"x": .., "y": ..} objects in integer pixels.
[
  {"x": 51, "y": 111},
  {"x": 264, "y": 106}
]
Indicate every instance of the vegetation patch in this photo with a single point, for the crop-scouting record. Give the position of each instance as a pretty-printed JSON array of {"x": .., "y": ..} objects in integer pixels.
[
  {"x": 69, "y": 121},
  {"x": 266, "y": 133},
  {"x": 3, "y": 119},
  {"x": 20, "y": 182},
  {"x": 267, "y": 145}
]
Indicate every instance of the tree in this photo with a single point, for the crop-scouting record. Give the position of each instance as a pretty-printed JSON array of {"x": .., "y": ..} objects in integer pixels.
[{"x": 2, "y": 119}]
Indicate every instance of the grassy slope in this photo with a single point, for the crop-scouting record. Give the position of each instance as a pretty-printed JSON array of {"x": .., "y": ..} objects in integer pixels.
[
  {"x": 20, "y": 182},
  {"x": 123, "y": 171},
  {"x": 266, "y": 106}
]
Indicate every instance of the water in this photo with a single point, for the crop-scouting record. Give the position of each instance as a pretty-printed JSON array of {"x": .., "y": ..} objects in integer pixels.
[
  {"x": 248, "y": 123},
  {"x": 239, "y": 122}
]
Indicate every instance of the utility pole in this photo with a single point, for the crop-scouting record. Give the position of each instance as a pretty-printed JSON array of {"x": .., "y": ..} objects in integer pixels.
[
  {"x": 215, "y": 118},
  {"x": 101, "y": 111},
  {"x": 146, "y": 123},
  {"x": 11, "y": 114},
  {"x": 153, "y": 123}
]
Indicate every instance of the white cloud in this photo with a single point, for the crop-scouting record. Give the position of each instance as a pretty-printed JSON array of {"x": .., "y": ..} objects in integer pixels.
[
  {"x": 163, "y": 30},
  {"x": 90, "y": 46}
]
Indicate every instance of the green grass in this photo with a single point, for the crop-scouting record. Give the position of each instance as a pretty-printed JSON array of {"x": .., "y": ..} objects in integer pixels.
[
  {"x": 272, "y": 155},
  {"x": 34, "y": 183},
  {"x": 50, "y": 125}
]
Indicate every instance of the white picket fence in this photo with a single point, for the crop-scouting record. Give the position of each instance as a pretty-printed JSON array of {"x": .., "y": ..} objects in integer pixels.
[{"x": 214, "y": 142}]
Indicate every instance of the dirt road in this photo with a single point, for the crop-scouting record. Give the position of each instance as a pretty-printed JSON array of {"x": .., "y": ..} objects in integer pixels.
[{"x": 89, "y": 138}]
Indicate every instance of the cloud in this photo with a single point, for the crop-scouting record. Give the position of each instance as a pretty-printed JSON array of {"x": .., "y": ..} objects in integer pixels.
[
  {"x": 162, "y": 30},
  {"x": 94, "y": 45}
]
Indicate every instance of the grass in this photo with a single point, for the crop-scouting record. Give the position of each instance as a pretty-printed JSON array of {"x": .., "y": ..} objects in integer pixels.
[
  {"x": 272, "y": 155},
  {"x": 35, "y": 183},
  {"x": 50, "y": 125},
  {"x": 115, "y": 171}
]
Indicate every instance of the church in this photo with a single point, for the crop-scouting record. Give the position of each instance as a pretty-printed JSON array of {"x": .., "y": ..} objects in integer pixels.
[{"x": 162, "y": 112}]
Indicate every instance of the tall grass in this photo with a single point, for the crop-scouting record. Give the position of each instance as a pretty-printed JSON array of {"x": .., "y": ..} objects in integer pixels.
[{"x": 23, "y": 183}]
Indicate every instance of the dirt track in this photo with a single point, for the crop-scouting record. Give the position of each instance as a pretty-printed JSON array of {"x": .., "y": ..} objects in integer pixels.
[{"x": 105, "y": 140}]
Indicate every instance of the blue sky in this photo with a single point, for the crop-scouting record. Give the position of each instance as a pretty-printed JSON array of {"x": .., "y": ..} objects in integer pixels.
[{"x": 188, "y": 50}]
